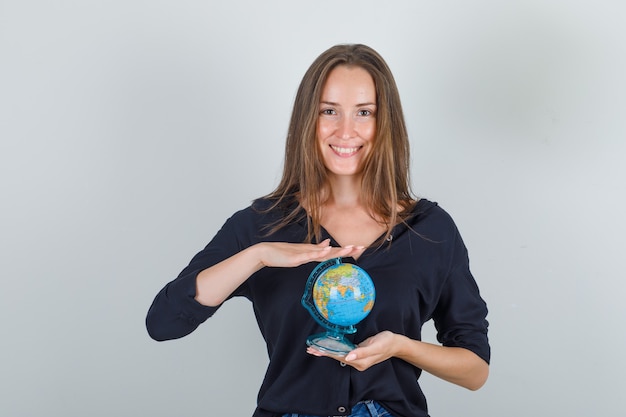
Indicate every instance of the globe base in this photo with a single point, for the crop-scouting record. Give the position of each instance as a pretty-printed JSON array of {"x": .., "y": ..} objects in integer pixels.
[{"x": 331, "y": 343}]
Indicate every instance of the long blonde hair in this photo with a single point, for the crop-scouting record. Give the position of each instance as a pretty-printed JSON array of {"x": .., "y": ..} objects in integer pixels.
[{"x": 385, "y": 184}]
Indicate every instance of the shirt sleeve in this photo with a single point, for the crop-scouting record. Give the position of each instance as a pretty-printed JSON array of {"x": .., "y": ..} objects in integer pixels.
[
  {"x": 175, "y": 313},
  {"x": 460, "y": 315}
]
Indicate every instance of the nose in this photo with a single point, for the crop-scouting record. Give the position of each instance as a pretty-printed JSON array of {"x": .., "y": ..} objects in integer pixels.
[{"x": 345, "y": 128}]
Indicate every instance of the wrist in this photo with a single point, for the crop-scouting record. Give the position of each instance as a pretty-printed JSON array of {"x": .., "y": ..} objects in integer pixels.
[
  {"x": 406, "y": 348},
  {"x": 257, "y": 253},
  {"x": 400, "y": 346}
]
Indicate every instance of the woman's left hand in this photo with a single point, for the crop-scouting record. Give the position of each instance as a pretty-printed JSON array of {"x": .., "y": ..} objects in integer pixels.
[
  {"x": 454, "y": 364},
  {"x": 368, "y": 353}
]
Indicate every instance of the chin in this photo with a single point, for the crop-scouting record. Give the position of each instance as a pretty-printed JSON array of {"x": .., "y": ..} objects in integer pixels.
[{"x": 345, "y": 172}]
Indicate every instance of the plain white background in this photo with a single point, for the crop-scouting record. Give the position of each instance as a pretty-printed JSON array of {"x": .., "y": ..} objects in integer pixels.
[{"x": 130, "y": 130}]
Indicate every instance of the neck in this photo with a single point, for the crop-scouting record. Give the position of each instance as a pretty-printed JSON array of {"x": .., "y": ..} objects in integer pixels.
[{"x": 344, "y": 191}]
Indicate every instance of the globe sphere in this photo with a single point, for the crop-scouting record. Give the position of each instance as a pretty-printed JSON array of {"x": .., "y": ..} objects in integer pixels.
[{"x": 344, "y": 294}]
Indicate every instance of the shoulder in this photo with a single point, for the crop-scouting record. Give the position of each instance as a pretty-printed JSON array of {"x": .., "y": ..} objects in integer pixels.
[
  {"x": 259, "y": 208},
  {"x": 430, "y": 220},
  {"x": 244, "y": 218},
  {"x": 260, "y": 215},
  {"x": 427, "y": 210}
]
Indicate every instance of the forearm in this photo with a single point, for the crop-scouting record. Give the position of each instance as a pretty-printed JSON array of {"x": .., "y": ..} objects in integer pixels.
[
  {"x": 174, "y": 313},
  {"x": 454, "y": 364},
  {"x": 183, "y": 304},
  {"x": 215, "y": 284}
]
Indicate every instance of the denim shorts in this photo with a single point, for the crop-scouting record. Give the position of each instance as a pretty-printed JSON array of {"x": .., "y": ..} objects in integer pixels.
[{"x": 361, "y": 409}]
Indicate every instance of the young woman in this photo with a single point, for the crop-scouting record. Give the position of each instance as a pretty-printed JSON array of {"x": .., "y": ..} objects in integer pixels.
[{"x": 344, "y": 193}]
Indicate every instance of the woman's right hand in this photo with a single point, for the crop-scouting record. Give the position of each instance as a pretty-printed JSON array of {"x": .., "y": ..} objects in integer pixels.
[
  {"x": 280, "y": 254},
  {"x": 215, "y": 284}
]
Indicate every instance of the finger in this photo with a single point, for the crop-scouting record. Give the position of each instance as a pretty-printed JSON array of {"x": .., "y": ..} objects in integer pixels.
[
  {"x": 324, "y": 243},
  {"x": 312, "y": 351},
  {"x": 316, "y": 352},
  {"x": 359, "y": 249},
  {"x": 321, "y": 254},
  {"x": 334, "y": 252},
  {"x": 349, "y": 250},
  {"x": 362, "y": 351},
  {"x": 342, "y": 250}
]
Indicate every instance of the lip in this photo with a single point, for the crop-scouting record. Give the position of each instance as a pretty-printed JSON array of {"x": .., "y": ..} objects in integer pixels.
[{"x": 345, "y": 151}]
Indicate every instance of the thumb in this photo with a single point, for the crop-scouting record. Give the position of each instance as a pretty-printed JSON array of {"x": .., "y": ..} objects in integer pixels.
[
  {"x": 351, "y": 356},
  {"x": 361, "y": 351}
]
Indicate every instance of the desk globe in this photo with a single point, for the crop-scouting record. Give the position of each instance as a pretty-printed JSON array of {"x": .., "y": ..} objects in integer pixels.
[{"x": 338, "y": 295}]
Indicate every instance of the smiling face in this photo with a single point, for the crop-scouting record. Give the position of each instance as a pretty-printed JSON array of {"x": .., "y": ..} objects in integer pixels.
[{"x": 346, "y": 126}]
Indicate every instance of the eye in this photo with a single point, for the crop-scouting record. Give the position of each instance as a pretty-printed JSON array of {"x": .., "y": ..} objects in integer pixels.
[
  {"x": 328, "y": 112},
  {"x": 365, "y": 112}
]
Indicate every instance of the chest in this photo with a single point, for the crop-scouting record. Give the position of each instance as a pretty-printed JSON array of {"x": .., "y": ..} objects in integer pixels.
[{"x": 353, "y": 228}]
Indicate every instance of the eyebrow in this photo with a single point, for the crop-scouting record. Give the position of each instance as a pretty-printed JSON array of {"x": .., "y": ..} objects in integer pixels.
[{"x": 337, "y": 104}]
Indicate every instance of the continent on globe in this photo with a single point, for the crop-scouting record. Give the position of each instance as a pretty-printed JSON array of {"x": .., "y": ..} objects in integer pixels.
[{"x": 343, "y": 295}]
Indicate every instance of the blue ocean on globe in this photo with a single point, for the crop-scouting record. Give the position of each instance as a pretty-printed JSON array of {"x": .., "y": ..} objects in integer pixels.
[{"x": 344, "y": 294}]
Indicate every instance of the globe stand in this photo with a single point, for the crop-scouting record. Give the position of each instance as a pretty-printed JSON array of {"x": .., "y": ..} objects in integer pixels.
[
  {"x": 330, "y": 342},
  {"x": 333, "y": 340}
]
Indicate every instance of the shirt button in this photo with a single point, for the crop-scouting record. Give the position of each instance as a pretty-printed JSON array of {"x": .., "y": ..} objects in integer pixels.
[
  {"x": 341, "y": 409},
  {"x": 342, "y": 363}
]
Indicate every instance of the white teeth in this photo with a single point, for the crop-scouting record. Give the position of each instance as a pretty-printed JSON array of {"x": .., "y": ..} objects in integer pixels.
[{"x": 344, "y": 151}]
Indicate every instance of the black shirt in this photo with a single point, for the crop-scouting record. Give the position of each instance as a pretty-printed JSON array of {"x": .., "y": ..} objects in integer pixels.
[{"x": 421, "y": 274}]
